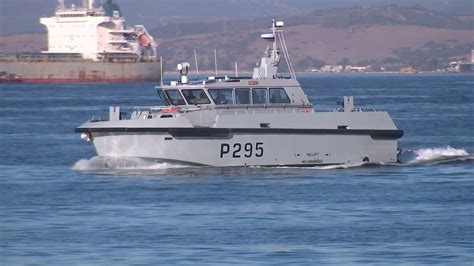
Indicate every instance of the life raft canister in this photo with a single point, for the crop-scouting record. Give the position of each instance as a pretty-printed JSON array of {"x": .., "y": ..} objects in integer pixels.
[{"x": 173, "y": 109}]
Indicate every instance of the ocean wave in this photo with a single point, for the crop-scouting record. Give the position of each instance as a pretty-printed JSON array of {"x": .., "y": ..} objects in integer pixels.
[
  {"x": 434, "y": 155},
  {"x": 98, "y": 163}
]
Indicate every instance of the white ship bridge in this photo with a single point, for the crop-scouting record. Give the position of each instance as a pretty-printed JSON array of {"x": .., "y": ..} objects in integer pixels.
[{"x": 98, "y": 33}]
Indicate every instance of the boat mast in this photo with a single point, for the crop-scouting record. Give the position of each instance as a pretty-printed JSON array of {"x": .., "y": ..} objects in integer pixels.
[
  {"x": 196, "y": 61},
  {"x": 215, "y": 60},
  {"x": 268, "y": 68},
  {"x": 286, "y": 54}
]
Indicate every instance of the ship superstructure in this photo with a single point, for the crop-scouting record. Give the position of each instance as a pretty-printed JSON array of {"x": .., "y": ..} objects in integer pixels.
[
  {"x": 97, "y": 33},
  {"x": 88, "y": 43}
]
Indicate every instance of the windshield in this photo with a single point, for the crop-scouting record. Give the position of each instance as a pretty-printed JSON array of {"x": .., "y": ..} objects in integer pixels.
[
  {"x": 175, "y": 97},
  {"x": 259, "y": 96},
  {"x": 196, "y": 96},
  {"x": 221, "y": 96},
  {"x": 278, "y": 95},
  {"x": 164, "y": 99},
  {"x": 242, "y": 96}
]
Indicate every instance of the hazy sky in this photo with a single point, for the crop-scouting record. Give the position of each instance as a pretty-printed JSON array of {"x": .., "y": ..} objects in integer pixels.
[{"x": 23, "y": 15}]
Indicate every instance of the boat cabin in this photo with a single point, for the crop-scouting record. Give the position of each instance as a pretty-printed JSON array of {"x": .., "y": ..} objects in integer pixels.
[
  {"x": 266, "y": 88},
  {"x": 234, "y": 92}
]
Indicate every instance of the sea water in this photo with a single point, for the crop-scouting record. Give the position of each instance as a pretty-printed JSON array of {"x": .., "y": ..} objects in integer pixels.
[{"x": 61, "y": 204}]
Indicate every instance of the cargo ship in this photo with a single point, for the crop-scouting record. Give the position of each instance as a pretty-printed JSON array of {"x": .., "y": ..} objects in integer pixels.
[{"x": 88, "y": 44}]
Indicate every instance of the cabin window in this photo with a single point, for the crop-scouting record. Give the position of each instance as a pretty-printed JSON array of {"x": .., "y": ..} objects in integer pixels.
[
  {"x": 163, "y": 97},
  {"x": 278, "y": 95},
  {"x": 259, "y": 96},
  {"x": 242, "y": 96},
  {"x": 175, "y": 97},
  {"x": 196, "y": 96},
  {"x": 221, "y": 96}
]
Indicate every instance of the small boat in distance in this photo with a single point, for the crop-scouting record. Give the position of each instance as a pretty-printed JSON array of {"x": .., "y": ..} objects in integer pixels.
[
  {"x": 263, "y": 120},
  {"x": 6, "y": 77},
  {"x": 408, "y": 70}
]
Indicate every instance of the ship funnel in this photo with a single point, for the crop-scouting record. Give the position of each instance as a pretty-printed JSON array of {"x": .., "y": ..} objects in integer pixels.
[
  {"x": 61, "y": 4},
  {"x": 89, "y": 4}
]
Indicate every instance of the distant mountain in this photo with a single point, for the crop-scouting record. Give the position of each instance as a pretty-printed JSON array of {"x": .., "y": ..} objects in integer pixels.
[
  {"x": 22, "y": 16},
  {"x": 389, "y": 36},
  {"x": 332, "y": 18},
  {"x": 390, "y": 15}
]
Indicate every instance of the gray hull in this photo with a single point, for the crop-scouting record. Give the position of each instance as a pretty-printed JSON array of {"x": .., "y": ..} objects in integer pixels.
[
  {"x": 83, "y": 71},
  {"x": 245, "y": 149}
]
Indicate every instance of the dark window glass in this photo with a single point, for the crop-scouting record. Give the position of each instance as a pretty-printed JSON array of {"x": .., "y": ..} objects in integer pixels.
[
  {"x": 259, "y": 96},
  {"x": 221, "y": 96},
  {"x": 278, "y": 95},
  {"x": 175, "y": 97},
  {"x": 242, "y": 96},
  {"x": 196, "y": 96},
  {"x": 163, "y": 97}
]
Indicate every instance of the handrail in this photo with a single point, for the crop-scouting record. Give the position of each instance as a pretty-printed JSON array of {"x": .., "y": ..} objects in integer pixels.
[
  {"x": 252, "y": 106},
  {"x": 355, "y": 109}
]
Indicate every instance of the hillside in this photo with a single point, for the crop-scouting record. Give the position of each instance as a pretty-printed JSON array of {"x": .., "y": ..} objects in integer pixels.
[
  {"x": 389, "y": 36},
  {"x": 333, "y": 18},
  {"x": 312, "y": 46},
  {"x": 18, "y": 17}
]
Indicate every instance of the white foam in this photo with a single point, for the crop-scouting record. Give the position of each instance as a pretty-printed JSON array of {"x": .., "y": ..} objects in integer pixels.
[
  {"x": 432, "y": 154},
  {"x": 117, "y": 163},
  {"x": 427, "y": 155},
  {"x": 339, "y": 166}
]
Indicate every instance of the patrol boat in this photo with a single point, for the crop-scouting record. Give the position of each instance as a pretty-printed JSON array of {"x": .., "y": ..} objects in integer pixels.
[{"x": 263, "y": 120}]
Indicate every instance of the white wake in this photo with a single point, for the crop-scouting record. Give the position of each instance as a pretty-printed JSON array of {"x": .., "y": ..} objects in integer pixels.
[
  {"x": 97, "y": 163},
  {"x": 407, "y": 157},
  {"x": 434, "y": 155},
  {"x": 427, "y": 156}
]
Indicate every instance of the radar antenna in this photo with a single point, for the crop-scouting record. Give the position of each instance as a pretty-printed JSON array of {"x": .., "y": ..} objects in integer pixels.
[{"x": 268, "y": 67}]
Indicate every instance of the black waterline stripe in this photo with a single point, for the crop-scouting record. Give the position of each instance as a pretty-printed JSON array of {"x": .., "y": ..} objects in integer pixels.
[{"x": 216, "y": 132}]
